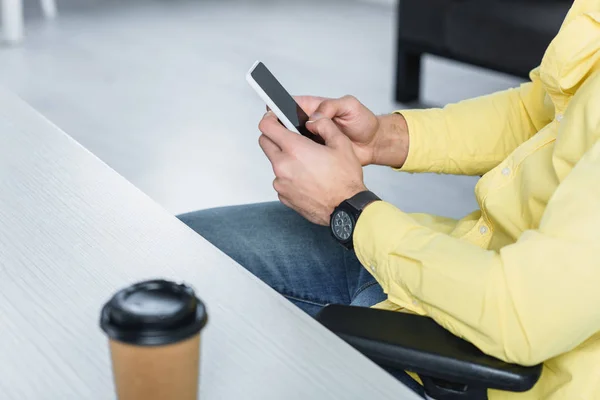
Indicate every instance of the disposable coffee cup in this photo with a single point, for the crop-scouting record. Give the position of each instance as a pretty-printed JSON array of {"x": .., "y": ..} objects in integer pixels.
[{"x": 154, "y": 337}]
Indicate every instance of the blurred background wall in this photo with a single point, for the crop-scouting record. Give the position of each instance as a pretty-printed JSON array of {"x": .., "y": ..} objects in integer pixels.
[{"x": 156, "y": 88}]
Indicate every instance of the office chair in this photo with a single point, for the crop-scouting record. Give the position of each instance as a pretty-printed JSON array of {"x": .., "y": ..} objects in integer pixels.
[{"x": 449, "y": 367}]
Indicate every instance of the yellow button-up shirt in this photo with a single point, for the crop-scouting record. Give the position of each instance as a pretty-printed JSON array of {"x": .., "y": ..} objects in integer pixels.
[{"x": 520, "y": 278}]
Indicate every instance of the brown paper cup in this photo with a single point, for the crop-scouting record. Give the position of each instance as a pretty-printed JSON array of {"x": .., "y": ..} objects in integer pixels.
[
  {"x": 154, "y": 339},
  {"x": 167, "y": 372}
]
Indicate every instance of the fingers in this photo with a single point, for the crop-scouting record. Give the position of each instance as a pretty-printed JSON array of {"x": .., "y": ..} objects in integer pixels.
[
  {"x": 278, "y": 185},
  {"x": 279, "y": 135},
  {"x": 309, "y": 103},
  {"x": 271, "y": 150},
  {"x": 286, "y": 202},
  {"x": 332, "y": 108},
  {"x": 311, "y": 216},
  {"x": 329, "y": 131},
  {"x": 279, "y": 161}
]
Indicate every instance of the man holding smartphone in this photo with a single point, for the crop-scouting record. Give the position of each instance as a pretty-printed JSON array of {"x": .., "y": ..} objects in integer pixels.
[{"x": 517, "y": 278}]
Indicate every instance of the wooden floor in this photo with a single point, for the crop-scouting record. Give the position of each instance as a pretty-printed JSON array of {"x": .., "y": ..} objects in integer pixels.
[{"x": 156, "y": 89}]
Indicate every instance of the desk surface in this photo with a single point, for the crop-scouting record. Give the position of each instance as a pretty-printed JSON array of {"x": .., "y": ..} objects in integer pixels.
[{"x": 72, "y": 232}]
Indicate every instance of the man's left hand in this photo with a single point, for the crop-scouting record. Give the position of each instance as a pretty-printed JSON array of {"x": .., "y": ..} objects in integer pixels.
[{"x": 311, "y": 178}]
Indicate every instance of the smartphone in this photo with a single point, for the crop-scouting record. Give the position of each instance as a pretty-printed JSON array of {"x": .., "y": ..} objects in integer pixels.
[{"x": 279, "y": 101}]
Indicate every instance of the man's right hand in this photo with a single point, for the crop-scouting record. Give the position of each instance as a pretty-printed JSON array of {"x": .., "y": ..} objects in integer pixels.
[{"x": 379, "y": 140}]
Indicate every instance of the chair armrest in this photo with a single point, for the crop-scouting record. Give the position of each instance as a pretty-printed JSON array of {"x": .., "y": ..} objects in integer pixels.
[{"x": 418, "y": 344}]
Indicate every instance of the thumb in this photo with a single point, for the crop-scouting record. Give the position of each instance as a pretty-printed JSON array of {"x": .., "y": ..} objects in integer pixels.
[
  {"x": 342, "y": 107},
  {"x": 329, "y": 131}
]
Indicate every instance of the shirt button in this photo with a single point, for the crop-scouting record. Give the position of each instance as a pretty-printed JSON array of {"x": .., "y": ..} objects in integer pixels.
[
  {"x": 506, "y": 171},
  {"x": 415, "y": 303},
  {"x": 483, "y": 229},
  {"x": 373, "y": 268},
  {"x": 559, "y": 117}
]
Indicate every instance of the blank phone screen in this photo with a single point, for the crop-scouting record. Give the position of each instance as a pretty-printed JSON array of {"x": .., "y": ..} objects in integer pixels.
[{"x": 286, "y": 103}]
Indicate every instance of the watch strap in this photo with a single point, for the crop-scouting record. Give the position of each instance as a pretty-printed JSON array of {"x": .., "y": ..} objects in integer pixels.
[{"x": 361, "y": 200}]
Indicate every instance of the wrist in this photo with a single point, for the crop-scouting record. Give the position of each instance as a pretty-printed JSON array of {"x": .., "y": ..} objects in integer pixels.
[
  {"x": 344, "y": 218},
  {"x": 350, "y": 192},
  {"x": 392, "y": 141}
]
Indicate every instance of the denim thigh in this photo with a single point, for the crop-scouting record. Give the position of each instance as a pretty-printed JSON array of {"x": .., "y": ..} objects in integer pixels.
[{"x": 300, "y": 260}]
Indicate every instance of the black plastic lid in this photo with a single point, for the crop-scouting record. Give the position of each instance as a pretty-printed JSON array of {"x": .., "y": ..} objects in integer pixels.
[{"x": 153, "y": 313}]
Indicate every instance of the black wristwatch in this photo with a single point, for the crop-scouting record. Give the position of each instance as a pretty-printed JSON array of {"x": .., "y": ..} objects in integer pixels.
[{"x": 344, "y": 217}]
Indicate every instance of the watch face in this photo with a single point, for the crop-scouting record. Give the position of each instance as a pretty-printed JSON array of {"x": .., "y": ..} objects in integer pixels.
[{"x": 342, "y": 225}]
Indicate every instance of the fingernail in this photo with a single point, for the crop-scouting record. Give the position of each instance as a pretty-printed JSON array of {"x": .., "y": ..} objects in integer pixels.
[{"x": 315, "y": 117}]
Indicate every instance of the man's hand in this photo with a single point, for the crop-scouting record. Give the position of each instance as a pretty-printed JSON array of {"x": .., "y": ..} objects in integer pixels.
[
  {"x": 379, "y": 140},
  {"x": 355, "y": 121},
  {"x": 311, "y": 178}
]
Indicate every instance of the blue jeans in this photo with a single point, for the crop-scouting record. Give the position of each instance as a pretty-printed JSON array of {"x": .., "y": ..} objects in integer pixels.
[{"x": 298, "y": 259}]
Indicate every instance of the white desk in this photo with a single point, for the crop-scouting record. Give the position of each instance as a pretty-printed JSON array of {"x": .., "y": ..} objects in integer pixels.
[{"x": 72, "y": 231}]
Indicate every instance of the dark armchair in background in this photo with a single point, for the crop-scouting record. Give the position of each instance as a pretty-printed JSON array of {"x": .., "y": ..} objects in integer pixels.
[
  {"x": 503, "y": 35},
  {"x": 450, "y": 368}
]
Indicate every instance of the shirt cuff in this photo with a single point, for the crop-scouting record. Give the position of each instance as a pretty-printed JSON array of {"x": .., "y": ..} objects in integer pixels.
[
  {"x": 419, "y": 159},
  {"x": 380, "y": 229}
]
